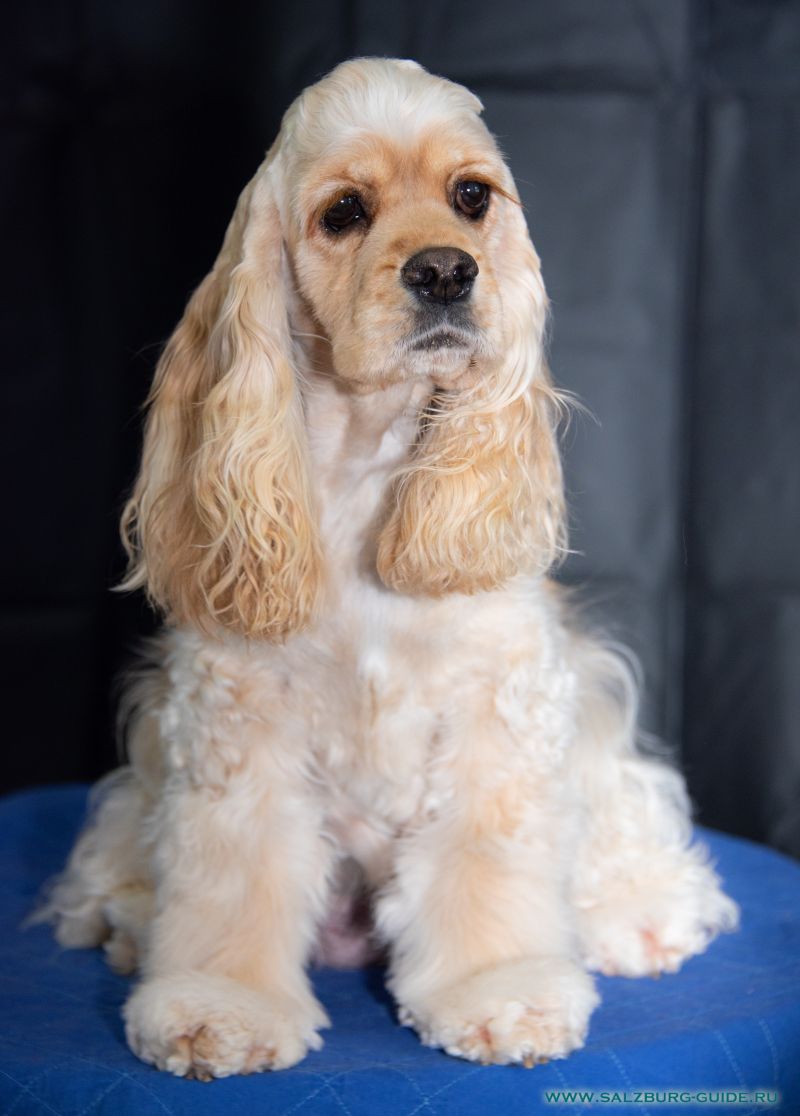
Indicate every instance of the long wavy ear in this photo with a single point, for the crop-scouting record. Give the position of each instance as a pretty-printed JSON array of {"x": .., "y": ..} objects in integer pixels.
[
  {"x": 482, "y": 499},
  {"x": 220, "y": 528}
]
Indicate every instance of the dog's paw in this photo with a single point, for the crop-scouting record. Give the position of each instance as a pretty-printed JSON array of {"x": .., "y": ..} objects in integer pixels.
[
  {"x": 524, "y": 1011},
  {"x": 202, "y": 1026},
  {"x": 653, "y": 926}
]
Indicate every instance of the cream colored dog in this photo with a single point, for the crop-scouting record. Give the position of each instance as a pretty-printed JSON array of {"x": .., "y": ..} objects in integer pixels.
[{"x": 349, "y": 498}]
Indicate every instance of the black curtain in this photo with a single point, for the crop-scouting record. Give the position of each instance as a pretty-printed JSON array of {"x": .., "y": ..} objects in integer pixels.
[{"x": 657, "y": 148}]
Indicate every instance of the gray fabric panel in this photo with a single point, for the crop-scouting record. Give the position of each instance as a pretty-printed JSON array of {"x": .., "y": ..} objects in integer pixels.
[
  {"x": 743, "y": 604},
  {"x": 745, "y": 492},
  {"x": 569, "y": 43},
  {"x": 751, "y": 45},
  {"x": 744, "y": 703}
]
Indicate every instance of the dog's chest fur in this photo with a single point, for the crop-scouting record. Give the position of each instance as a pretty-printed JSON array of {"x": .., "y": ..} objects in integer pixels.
[
  {"x": 402, "y": 682},
  {"x": 392, "y": 704}
]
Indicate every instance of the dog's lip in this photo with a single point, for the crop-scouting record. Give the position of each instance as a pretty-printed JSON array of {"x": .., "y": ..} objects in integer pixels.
[{"x": 443, "y": 338}]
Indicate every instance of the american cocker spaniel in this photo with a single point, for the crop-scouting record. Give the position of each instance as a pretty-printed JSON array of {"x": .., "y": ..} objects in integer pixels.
[{"x": 349, "y": 499}]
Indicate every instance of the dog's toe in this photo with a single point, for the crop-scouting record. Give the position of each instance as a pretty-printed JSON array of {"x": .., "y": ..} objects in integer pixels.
[
  {"x": 207, "y": 1026},
  {"x": 524, "y": 1012}
]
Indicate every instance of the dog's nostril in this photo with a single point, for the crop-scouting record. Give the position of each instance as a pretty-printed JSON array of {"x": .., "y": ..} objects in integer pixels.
[{"x": 440, "y": 275}]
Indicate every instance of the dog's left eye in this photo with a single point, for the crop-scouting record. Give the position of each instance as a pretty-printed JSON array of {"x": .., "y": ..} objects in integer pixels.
[
  {"x": 472, "y": 199},
  {"x": 345, "y": 212}
]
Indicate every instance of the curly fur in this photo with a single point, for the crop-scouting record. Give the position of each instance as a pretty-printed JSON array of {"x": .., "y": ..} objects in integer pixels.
[{"x": 368, "y": 689}]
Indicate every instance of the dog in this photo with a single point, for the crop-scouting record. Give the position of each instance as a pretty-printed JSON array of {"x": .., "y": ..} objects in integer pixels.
[{"x": 349, "y": 500}]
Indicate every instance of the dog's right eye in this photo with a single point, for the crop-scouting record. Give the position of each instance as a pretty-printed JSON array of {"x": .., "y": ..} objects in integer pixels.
[{"x": 344, "y": 213}]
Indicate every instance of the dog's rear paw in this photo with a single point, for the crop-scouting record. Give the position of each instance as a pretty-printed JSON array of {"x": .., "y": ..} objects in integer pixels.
[
  {"x": 653, "y": 926},
  {"x": 524, "y": 1011},
  {"x": 201, "y": 1026}
]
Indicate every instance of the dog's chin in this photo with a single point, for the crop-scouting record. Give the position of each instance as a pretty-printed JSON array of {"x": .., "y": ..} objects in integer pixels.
[
  {"x": 450, "y": 370},
  {"x": 445, "y": 356}
]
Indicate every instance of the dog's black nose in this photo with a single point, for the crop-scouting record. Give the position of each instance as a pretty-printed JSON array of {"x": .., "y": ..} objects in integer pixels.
[{"x": 440, "y": 275}]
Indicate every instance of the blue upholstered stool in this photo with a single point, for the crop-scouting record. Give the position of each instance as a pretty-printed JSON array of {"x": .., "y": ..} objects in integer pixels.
[{"x": 730, "y": 1020}]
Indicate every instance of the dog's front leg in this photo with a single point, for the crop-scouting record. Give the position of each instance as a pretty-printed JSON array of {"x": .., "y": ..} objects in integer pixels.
[
  {"x": 240, "y": 871},
  {"x": 484, "y": 958}
]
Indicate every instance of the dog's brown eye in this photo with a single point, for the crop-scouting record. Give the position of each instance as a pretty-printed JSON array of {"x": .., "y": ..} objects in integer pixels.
[
  {"x": 472, "y": 199},
  {"x": 345, "y": 212}
]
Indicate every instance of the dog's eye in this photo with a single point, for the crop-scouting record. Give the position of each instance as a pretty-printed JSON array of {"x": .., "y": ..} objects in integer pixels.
[
  {"x": 472, "y": 199},
  {"x": 345, "y": 212}
]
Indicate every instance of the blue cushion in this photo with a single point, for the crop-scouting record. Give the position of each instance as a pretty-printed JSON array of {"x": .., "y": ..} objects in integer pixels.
[{"x": 730, "y": 1019}]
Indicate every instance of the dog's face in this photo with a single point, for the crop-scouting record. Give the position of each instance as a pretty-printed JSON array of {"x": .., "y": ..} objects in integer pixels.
[{"x": 398, "y": 225}]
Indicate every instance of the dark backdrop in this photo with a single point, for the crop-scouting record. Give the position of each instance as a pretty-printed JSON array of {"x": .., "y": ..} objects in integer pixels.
[{"x": 657, "y": 147}]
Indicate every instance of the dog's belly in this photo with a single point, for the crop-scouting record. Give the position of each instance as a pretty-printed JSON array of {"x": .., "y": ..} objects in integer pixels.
[{"x": 345, "y": 938}]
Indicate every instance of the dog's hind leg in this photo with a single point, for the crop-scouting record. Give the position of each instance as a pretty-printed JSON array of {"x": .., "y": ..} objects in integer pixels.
[
  {"x": 103, "y": 895},
  {"x": 646, "y": 896}
]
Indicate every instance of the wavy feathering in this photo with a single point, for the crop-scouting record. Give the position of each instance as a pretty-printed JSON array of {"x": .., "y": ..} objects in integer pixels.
[{"x": 220, "y": 527}]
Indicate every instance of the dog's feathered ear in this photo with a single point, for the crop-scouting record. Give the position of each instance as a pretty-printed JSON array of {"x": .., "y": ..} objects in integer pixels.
[
  {"x": 220, "y": 527},
  {"x": 482, "y": 499}
]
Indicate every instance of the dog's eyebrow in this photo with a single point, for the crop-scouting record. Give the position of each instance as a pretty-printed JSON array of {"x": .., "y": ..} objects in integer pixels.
[{"x": 337, "y": 185}]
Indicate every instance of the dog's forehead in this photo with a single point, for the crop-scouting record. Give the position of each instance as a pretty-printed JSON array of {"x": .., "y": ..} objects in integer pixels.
[
  {"x": 397, "y": 101},
  {"x": 374, "y": 159}
]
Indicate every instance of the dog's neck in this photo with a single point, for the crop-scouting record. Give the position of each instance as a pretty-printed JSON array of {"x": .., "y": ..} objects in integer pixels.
[
  {"x": 357, "y": 441},
  {"x": 354, "y": 435}
]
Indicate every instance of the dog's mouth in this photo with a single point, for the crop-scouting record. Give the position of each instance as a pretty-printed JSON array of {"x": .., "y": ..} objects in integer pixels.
[
  {"x": 443, "y": 329},
  {"x": 444, "y": 338}
]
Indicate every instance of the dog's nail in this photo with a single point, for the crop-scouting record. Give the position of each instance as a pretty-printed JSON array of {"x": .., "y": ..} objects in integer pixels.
[{"x": 528, "y": 1061}]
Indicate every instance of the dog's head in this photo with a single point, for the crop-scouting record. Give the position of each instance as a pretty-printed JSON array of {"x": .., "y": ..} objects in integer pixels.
[
  {"x": 397, "y": 219},
  {"x": 385, "y": 218}
]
